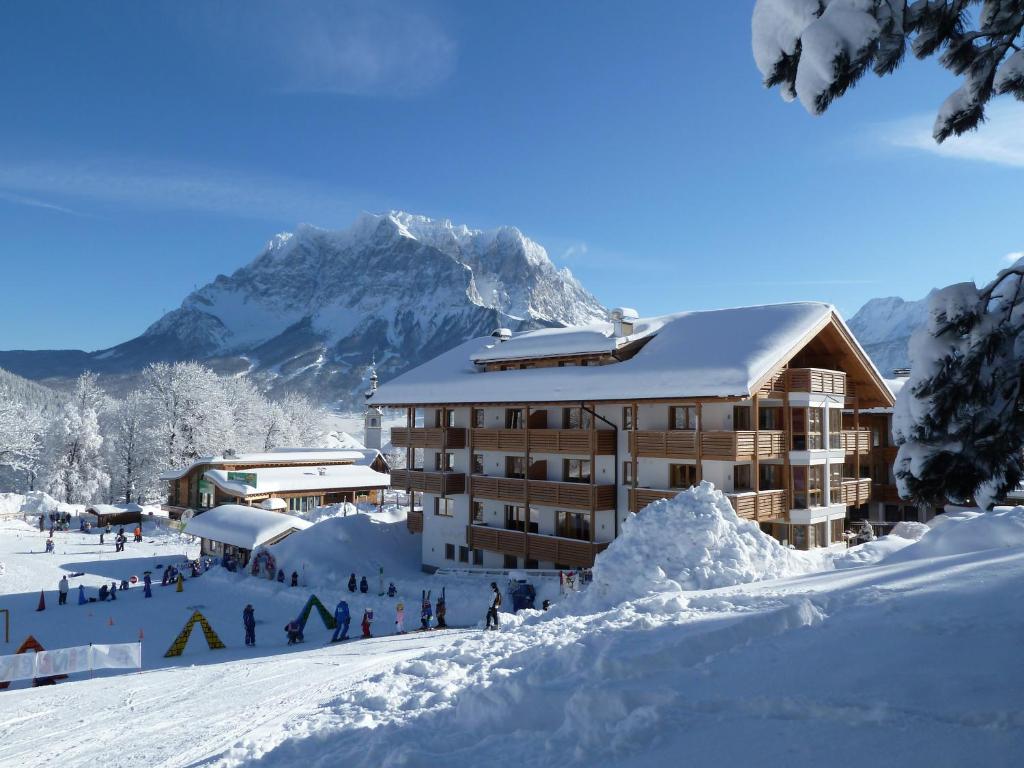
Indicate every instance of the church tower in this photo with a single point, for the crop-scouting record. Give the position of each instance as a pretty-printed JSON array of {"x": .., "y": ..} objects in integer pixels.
[{"x": 373, "y": 417}]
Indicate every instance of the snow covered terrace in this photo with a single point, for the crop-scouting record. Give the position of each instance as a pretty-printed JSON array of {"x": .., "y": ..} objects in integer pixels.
[{"x": 242, "y": 526}]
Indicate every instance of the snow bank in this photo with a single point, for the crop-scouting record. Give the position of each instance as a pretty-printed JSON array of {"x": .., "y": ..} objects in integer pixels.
[
  {"x": 33, "y": 503},
  {"x": 694, "y": 541},
  {"x": 965, "y": 531}
]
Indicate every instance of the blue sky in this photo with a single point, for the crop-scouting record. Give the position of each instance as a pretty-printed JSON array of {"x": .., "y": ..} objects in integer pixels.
[{"x": 147, "y": 147}]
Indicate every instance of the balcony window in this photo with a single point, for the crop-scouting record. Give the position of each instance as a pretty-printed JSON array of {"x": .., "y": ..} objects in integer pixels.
[
  {"x": 576, "y": 418},
  {"x": 444, "y": 507},
  {"x": 576, "y": 470},
  {"x": 463, "y": 554},
  {"x": 741, "y": 417},
  {"x": 439, "y": 417},
  {"x": 449, "y": 551},
  {"x": 835, "y": 480},
  {"x": 511, "y": 562},
  {"x": 771, "y": 477},
  {"x": 514, "y": 418},
  {"x": 573, "y": 525},
  {"x": 770, "y": 418},
  {"x": 478, "y": 557},
  {"x": 682, "y": 417},
  {"x": 808, "y": 485},
  {"x": 479, "y": 418},
  {"x": 806, "y": 426},
  {"x": 515, "y": 467},
  {"x": 478, "y": 463},
  {"x": 444, "y": 461},
  {"x": 835, "y": 428},
  {"x": 682, "y": 475},
  {"x": 515, "y": 519},
  {"x": 478, "y": 512},
  {"x": 838, "y": 530},
  {"x": 741, "y": 478},
  {"x": 627, "y": 473},
  {"x": 627, "y": 417}
]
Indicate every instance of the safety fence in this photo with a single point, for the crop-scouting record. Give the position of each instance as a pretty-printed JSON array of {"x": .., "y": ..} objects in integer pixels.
[{"x": 65, "y": 661}]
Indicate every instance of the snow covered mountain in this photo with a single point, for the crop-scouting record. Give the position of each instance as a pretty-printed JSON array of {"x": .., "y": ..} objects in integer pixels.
[
  {"x": 313, "y": 309},
  {"x": 883, "y": 327}
]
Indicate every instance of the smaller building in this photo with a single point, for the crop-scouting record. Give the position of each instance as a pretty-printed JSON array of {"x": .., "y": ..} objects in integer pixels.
[
  {"x": 235, "y": 530},
  {"x": 115, "y": 514}
]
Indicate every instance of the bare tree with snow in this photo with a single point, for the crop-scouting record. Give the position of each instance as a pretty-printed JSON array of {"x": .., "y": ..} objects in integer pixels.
[{"x": 77, "y": 471}]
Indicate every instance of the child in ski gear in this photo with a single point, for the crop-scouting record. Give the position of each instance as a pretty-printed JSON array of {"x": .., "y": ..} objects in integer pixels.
[
  {"x": 342, "y": 618},
  {"x": 138, "y": 533},
  {"x": 363, "y": 586},
  {"x": 113, "y": 590},
  {"x": 492, "y": 612},
  {"x": 425, "y": 612},
  {"x": 49, "y": 545},
  {"x": 249, "y": 620},
  {"x": 124, "y": 585},
  {"x": 294, "y": 632},
  {"x": 181, "y": 584},
  {"x": 546, "y": 604},
  {"x": 101, "y": 537},
  {"x": 295, "y": 579},
  {"x": 280, "y": 576},
  {"x": 367, "y": 621},
  {"x": 352, "y": 583},
  {"x": 147, "y": 583},
  {"x": 440, "y": 612},
  {"x": 63, "y": 589},
  {"x": 391, "y": 589},
  {"x": 81, "y": 595},
  {"x": 400, "y": 619},
  {"x": 103, "y": 593},
  {"x": 165, "y": 577}
]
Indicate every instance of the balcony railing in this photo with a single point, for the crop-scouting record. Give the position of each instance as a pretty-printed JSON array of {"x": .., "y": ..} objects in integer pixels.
[
  {"x": 818, "y": 380},
  {"x": 856, "y": 441},
  {"x": 754, "y": 505},
  {"x": 414, "y": 522},
  {"x": 437, "y": 483},
  {"x": 554, "y": 549},
  {"x": 641, "y": 497},
  {"x": 667, "y": 444},
  {"x": 428, "y": 437},
  {"x": 856, "y": 491},
  {"x": 734, "y": 445},
  {"x": 576, "y": 441},
  {"x": 545, "y": 492}
]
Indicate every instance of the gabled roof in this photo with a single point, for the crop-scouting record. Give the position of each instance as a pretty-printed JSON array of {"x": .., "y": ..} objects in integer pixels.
[
  {"x": 241, "y": 526},
  {"x": 715, "y": 353},
  {"x": 308, "y": 457}
]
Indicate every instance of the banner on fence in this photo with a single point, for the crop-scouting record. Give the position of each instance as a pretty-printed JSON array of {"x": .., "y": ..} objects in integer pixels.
[{"x": 65, "y": 661}]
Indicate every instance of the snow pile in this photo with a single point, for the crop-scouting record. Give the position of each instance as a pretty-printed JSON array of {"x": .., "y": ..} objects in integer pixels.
[
  {"x": 969, "y": 530},
  {"x": 903, "y": 535},
  {"x": 694, "y": 541},
  {"x": 33, "y": 503}
]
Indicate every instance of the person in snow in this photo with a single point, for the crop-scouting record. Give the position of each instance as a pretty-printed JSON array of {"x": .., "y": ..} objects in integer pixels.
[
  {"x": 249, "y": 620},
  {"x": 426, "y": 613},
  {"x": 81, "y": 595},
  {"x": 138, "y": 533},
  {"x": 102, "y": 593},
  {"x": 295, "y": 578},
  {"x": 440, "y": 612},
  {"x": 124, "y": 585},
  {"x": 108, "y": 529},
  {"x": 62, "y": 590},
  {"x": 294, "y": 632},
  {"x": 400, "y": 619},
  {"x": 391, "y": 589},
  {"x": 147, "y": 585},
  {"x": 364, "y": 587},
  {"x": 492, "y": 612},
  {"x": 545, "y": 605},
  {"x": 194, "y": 565},
  {"x": 366, "y": 622},
  {"x": 113, "y": 590},
  {"x": 101, "y": 537},
  {"x": 41, "y": 524},
  {"x": 352, "y": 583},
  {"x": 49, "y": 545},
  {"x": 280, "y": 576},
  {"x": 342, "y": 618},
  {"x": 181, "y": 584}
]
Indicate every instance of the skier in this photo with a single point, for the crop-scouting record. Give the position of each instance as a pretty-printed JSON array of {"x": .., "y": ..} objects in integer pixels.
[
  {"x": 400, "y": 619},
  {"x": 49, "y": 545},
  {"x": 351, "y": 582},
  {"x": 364, "y": 587},
  {"x": 108, "y": 529},
  {"x": 280, "y": 576},
  {"x": 138, "y": 533},
  {"x": 391, "y": 589},
  {"x": 102, "y": 594},
  {"x": 440, "y": 611},
  {"x": 165, "y": 577},
  {"x": 113, "y": 590},
  {"x": 147, "y": 584},
  {"x": 62, "y": 590},
  {"x": 249, "y": 620},
  {"x": 101, "y": 537},
  {"x": 41, "y": 524},
  {"x": 367, "y": 621},
  {"x": 294, "y": 632},
  {"x": 295, "y": 579},
  {"x": 425, "y": 612},
  {"x": 124, "y": 585},
  {"x": 342, "y": 618},
  {"x": 492, "y": 612}
]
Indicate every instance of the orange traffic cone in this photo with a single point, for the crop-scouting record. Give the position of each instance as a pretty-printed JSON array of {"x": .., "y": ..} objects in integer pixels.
[
  {"x": 42, "y": 601},
  {"x": 110, "y": 621}
]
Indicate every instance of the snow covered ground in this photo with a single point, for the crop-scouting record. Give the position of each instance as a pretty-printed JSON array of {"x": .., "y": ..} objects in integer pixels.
[{"x": 902, "y": 652}]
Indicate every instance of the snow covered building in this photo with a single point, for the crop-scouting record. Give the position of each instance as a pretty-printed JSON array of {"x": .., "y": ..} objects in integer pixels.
[
  {"x": 233, "y": 530},
  {"x": 304, "y": 478},
  {"x": 529, "y": 450}
]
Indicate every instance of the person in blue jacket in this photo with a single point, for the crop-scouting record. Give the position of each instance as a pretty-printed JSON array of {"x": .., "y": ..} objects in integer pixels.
[
  {"x": 147, "y": 584},
  {"x": 249, "y": 620},
  {"x": 342, "y": 618}
]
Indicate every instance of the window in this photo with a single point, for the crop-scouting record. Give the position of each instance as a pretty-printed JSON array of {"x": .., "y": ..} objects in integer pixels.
[
  {"x": 770, "y": 418},
  {"x": 514, "y": 418},
  {"x": 444, "y": 507},
  {"x": 566, "y": 363},
  {"x": 799, "y": 536},
  {"x": 524, "y": 366},
  {"x": 478, "y": 463},
  {"x": 528, "y": 563},
  {"x": 463, "y": 554},
  {"x": 741, "y": 478},
  {"x": 573, "y": 525},
  {"x": 835, "y": 428},
  {"x": 838, "y": 530},
  {"x": 627, "y": 473},
  {"x": 815, "y": 423},
  {"x": 741, "y": 417},
  {"x": 819, "y": 535},
  {"x": 515, "y": 466},
  {"x": 478, "y": 557},
  {"x": 807, "y": 486},
  {"x": 771, "y": 477},
  {"x": 511, "y": 562},
  {"x": 576, "y": 470},
  {"x": 627, "y": 417},
  {"x": 807, "y": 425},
  {"x": 479, "y": 418},
  {"x": 478, "y": 512},
  {"x": 835, "y": 483},
  {"x": 682, "y": 417},
  {"x": 303, "y": 503},
  {"x": 439, "y": 417},
  {"x": 515, "y": 519},
  {"x": 444, "y": 461},
  {"x": 449, "y": 551},
  {"x": 584, "y": 362},
  {"x": 682, "y": 475},
  {"x": 576, "y": 418}
]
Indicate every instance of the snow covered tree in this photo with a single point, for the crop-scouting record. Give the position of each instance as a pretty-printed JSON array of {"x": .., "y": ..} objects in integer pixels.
[
  {"x": 132, "y": 446},
  {"x": 20, "y": 436},
  {"x": 960, "y": 428},
  {"x": 815, "y": 50},
  {"x": 76, "y": 466}
]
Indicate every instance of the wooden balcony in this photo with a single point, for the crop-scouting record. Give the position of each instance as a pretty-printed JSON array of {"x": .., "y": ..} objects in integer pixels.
[
  {"x": 817, "y": 380},
  {"x": 554, "y": 549},
  {"x": 669, "y": 444},
  {"x": 856, "y": 441},
  {"x": 575, "y": 441},
  {"x": 437, "y": 483},
  {"x": 856, "y": 492},
  {"x": 760, "y": 505},
  {"x": 414, "y": 522},
  {"x": 544, "y": 492},
  {"x": 641, "y": 497},
  {"x": 428, "y": 437},
  {"x": 739, "y": 445}
]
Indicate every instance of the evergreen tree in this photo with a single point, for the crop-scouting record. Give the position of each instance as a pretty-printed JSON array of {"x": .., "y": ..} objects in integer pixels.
[{"x": 815, "y": 50}]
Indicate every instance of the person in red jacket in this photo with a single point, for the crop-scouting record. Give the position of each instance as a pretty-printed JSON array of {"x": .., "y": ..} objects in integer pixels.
[{"x": 367, "y": 621}]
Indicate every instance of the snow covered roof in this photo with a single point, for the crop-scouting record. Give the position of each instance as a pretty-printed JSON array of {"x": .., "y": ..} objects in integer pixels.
[
  {"x": 274, "y": 503},
  {"x": 715, "y": 353},
  {"x": 112, "y": 509},
  {"x": 284, "y": 479},
  {"x": 241, "y": 526},
  {"x": 298, "y": 456}
]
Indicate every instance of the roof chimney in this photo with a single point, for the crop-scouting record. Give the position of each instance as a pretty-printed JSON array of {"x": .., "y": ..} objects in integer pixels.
[
  {"x": 502, "y": 334},
  {"x": 623, "y": 319}
]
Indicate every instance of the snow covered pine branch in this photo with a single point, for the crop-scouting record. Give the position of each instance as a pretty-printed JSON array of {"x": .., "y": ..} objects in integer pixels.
[{"x": 815, "y": 50}]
